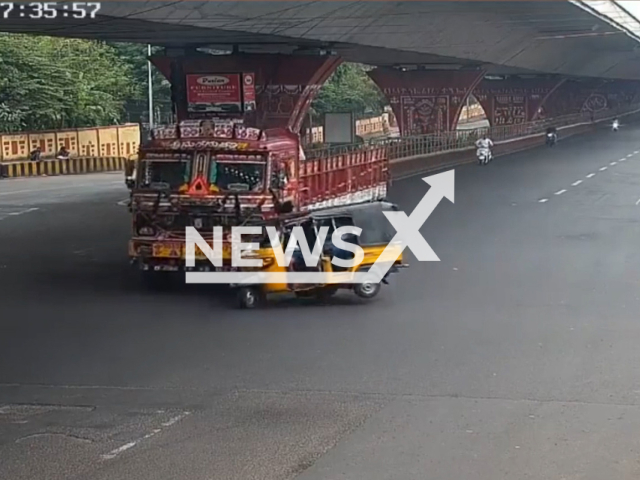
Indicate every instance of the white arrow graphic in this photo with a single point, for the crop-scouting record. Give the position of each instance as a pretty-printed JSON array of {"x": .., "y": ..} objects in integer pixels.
[
  {"x": 408, "y": 228},
  {"x": 407, "y": 235}
]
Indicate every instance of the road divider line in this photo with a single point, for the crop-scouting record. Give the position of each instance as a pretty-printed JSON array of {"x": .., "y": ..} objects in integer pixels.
[
  {"x": 591, "y": 175},
  {"x": 543, "y": 200},
  {"x": 576, "y": 183},
  {"x": 603, "y": 169},
  {"x": 28, "y": 210},
  {"x": 630, "y": 155},
  {"x": 635, "y": 152},
  {"x": 622, "y": 160},
  {"x": 613, "y": 163},
  {"x": 127, "y": 446},
  {"x": 559, "y": 192},
  {"x": 638, "y": 202}
]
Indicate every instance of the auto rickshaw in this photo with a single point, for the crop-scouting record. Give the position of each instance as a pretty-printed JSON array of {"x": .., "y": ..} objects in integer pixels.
[{"x": 376, "y": 235}]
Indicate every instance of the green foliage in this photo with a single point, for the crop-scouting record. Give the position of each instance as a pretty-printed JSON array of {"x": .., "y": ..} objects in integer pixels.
[
  {"x": 51, "y": 83},
  {"x": 135, "y": 55},
  {"x": 350, "y": 90}
]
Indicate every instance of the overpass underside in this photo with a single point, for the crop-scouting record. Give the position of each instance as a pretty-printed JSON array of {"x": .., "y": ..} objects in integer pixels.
[{"x": 521, "y": 60}]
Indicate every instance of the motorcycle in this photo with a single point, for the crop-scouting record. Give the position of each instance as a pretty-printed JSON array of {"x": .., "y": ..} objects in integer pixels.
[
  {"x": 615, "y": 125},
  {"x": 484, "y": 156},
  {"x": 552, "y": 138}
]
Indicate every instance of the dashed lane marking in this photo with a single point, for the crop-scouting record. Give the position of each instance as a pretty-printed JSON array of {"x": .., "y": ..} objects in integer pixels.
[
  {"x": 603, "y": 169},
  {"x": 127, "y": 446},
  {"x": 613, "y": 163},
  {"x": 543, "y": 200},
  {"x": 638, "y": 202},
  {"x": 591, "y": 175},
  {"x": 630, "y": 155},
  {"x": 22, "y": 212},
  {"x": 559, "y": 192},
  {"x": 635, "y": 152},
  {"x": 576, "y": 183}
]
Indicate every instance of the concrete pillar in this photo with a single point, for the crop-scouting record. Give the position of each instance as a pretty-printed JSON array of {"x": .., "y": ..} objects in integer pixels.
[
  {"x": 514, "y": 100},
  {"x": 426, "y": 101},
  {"x": 285, "y": 85}
]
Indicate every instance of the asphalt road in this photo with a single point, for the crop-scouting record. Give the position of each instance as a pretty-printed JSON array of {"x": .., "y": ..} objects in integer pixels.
[{"x": 515, "y": 357}]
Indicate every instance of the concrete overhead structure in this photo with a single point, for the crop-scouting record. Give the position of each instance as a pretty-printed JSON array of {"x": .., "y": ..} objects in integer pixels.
[{"x": 432, "y": 55}]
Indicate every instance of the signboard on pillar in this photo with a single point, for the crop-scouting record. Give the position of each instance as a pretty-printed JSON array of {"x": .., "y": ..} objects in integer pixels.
[
  {"x": 422, "y": 115},
  {"x": 214, "y": 93},
  {"x": 249, "y": 91},
  {"x": 509, "y": 109}
]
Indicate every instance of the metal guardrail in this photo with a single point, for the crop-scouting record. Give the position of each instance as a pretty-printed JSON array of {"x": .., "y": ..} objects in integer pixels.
[{"x": 404, "y": 147}]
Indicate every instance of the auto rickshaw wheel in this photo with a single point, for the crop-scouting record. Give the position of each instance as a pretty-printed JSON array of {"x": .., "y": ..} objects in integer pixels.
[
  {"x": 249, "y": 297},
  {"x": 367, "y": 290}
]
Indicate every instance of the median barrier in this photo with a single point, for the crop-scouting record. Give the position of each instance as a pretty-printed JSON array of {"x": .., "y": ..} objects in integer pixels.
[{"x": 71, "y": 166}]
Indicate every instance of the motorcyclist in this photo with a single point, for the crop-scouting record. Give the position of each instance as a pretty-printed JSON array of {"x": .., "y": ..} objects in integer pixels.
[
  {"x": 484, "y": 145},
  {"x": 552, "y": 135},
  {"x": 484, "y": 142},
  {"x": 616, "y": 124}
]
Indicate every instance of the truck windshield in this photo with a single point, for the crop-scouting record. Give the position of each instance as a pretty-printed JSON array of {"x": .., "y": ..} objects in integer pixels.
[
  {"x": 164, "y": 174},
  {"x": 238, "y": 176}
]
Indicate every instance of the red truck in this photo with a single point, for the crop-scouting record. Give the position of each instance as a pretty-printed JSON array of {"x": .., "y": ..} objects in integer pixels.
[{"x": 202, "y": 174}]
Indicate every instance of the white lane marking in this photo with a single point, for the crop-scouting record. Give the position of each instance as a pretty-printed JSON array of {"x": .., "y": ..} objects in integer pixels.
[
  {"x": 28, "y": 210},
  {"x": 53, "y": 189},
  {"x": 603, "y": 169},
  {"x": 119, "y": 450},
  {"x": 591, "y": 175},
  {"x": 127, "y": 446},
  {"x": 622, "y": 160},
  {"x": 635, "y": 152},
  {"x": 559, "y": 192},
  {"x": 543, "y": 200},
  {"x": 630, "y": 155},
  {"x": 575, "y": 184},
  {"x": 175, "y": 419},
  {"x": 638, "y": 202},
  {"x": 123, "y": 203},
  {"x": 613, "y": 163}
]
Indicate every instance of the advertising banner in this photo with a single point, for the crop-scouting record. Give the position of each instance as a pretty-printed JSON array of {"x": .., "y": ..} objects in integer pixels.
[
  {"x": 219, "y": 93},
  {"x": 249, "y": 91}
]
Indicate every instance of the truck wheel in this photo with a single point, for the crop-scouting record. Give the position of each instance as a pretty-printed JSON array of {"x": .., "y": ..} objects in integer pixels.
[
  {"x": 249, "y": 297},
  {"x": 367, "y": 290}
]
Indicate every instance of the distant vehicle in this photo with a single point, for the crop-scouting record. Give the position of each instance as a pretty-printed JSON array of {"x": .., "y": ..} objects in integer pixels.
[
  {"x": 615, "y": 125},
  {"x": 552, "y": 136}
]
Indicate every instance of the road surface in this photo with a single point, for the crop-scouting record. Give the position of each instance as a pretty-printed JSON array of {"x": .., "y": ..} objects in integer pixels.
[{"x": 515, "y": 357}]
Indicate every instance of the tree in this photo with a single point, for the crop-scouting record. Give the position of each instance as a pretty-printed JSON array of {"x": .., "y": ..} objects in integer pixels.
[
  {"x": 135, "y": 56},
  {"x": 53, "y": 83},
  {"x": 350, "y": 90}
]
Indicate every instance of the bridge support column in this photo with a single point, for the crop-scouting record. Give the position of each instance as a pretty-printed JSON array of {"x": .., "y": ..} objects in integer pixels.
[
  {"x": 426, "y": 101},
  {"x": 285, "y": 85},
  {"x": 514, "y": 100}
]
